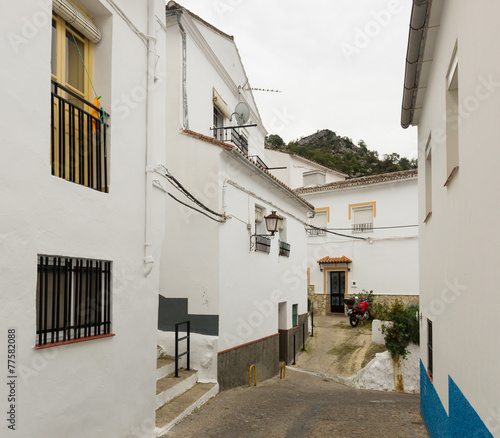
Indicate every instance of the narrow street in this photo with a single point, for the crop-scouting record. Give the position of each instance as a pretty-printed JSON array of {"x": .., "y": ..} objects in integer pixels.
[
  {"x": 308, "y": 403},
  {"x": 304, "y": 405}
]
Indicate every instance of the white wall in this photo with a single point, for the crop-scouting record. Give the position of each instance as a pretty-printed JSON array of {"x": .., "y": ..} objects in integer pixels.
[
  {"x": 387, "y": 262},
  {"x": 459, "y": 243},
  {"x": 295, "y": 167},
  {"x": 226, "y": 74},
  {"x": 253, "y": 282},
  {"x": 78, "y": 390}
]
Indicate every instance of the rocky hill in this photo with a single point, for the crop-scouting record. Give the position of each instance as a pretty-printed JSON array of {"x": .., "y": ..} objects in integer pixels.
[{"x": 340, "y": 153}]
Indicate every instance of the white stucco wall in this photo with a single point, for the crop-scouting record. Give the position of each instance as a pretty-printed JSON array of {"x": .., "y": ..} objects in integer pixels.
[
  {"x": 295, "y": 166},
  {"x": 78, "y": 390},
  {"x": 459, "y": 243},
  {"x": 387, "y": 262},
  {"x": 253, "y": 282},
  {"x": 212, "y": 62}
]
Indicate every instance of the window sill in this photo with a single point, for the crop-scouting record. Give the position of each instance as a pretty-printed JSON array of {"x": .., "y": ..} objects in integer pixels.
[
  {"x": 450, "y": 176},
  {"x": 73, "y": 341}
]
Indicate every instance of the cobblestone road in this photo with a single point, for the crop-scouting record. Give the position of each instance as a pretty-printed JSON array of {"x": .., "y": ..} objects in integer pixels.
[{"x": 304, "y": 405}]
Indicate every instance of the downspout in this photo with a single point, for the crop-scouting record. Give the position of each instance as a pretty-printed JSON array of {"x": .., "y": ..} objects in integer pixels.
[
  {"x": 185, "y": 119},
  {"x": 148, "y": 214},
  {"x": 418, "y": 23}
]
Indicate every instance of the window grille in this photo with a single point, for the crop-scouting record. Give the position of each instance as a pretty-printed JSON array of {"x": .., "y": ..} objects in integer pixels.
[{"x": 73, "y": 299}]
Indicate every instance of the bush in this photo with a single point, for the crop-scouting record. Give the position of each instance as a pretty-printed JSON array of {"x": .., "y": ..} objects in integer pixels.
[{"x": 403, "y": 330}]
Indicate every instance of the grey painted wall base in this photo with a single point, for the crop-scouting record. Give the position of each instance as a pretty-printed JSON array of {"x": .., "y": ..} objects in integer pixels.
[
  {"x": 286, "y": 340},
  {"x": 233, "y": 365},
  {"x": 174, "y": 310}
]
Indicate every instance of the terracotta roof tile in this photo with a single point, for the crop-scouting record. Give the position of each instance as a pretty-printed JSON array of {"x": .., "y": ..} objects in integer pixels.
[
  {"x": 364, "y": 180},
  {"x": 342, "y": 259}
]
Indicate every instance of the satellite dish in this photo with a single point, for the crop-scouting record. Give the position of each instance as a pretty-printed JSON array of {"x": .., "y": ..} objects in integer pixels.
[{"x": 242, "y": 113}]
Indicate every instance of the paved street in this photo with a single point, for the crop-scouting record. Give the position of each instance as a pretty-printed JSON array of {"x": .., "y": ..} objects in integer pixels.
[{"x": 304, "y": 405}]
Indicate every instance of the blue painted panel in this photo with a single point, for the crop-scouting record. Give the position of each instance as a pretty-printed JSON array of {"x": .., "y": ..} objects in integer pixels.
[
  {"x": 431, "y": 408},
  {"x": 464, "y": 421}
]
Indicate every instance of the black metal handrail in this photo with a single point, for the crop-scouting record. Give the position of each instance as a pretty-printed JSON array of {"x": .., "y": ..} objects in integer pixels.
[
  {"x": 78, "y": 139},
  {"x": 177, "y": 340},
  {"x": 258, "y": 160},
  {"x": 239, "y": 141}
]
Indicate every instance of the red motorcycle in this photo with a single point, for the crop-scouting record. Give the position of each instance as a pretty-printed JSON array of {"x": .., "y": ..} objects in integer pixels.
[{"x": 357, "y": 313}]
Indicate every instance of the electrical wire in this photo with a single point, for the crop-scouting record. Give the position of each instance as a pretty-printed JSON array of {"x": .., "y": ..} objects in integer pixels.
[
  {"x": 193, "y": 208},
  {"x": 172, "y": 180}
]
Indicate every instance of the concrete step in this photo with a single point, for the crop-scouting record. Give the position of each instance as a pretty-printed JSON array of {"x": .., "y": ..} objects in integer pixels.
[
  {"x": 169, "y": 387},
  {"x": 165, "y": 365},
  {"x": 173, "y": 412}
]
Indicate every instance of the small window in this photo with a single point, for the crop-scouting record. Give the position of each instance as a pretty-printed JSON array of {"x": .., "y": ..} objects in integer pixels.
[
  {"x": 295, "y": 315},
  {"x": 362, "y": 219},
  {"x": 262, "y": 243},
  {"x": 73, "y": 299},
  {"x": 319, "y": 223},
  {"x": 429, "y": 348},
  {"x": 284, "y": 246}
]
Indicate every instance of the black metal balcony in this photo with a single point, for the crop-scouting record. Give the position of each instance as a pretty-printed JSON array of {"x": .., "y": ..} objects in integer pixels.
[
  {"x": 239, "y": 141},
  {"x": 284, "y": 249},
  {"x": 258, "y": 160},
  {"x": 78, "y": 139},
  {"x": 263, "y": 244},
  {"x": 315, "y": 232},
  {"x": 362, "y": 228}
]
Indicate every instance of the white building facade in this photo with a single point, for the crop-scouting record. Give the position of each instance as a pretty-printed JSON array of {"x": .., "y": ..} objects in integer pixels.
[
  {"x": 363, "y": 237},
  {"x": 453, "y": 98},
  {"x": 296, "y": 171},
  {"x": 245, "y": 295},
  {"x": 81, "y": 224}
]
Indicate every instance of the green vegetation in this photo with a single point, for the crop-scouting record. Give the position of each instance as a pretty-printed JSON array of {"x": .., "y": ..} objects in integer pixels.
[
  {"x": 341, "y": 154},
  {"x": 403, "y": 330}
]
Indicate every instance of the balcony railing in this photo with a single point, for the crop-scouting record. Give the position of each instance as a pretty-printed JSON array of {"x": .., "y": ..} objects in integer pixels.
[
  {"x": 78, "y": 139},
  {"x": 362, "y": 228},
  {"x": 315, "y": 232},
  {"x": 284, "y": 249},
  {"x": 239, "y": 141},
  {"x": 258, "y": 160},
  {"x": 262, "y": 244}
]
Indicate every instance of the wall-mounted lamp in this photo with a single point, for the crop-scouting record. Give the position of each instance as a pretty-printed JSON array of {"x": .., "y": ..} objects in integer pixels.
[
  {"x": 272, "y": 222},
  {"x": 272, "y": 225}
]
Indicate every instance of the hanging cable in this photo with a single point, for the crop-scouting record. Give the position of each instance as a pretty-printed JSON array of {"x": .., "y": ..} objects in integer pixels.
[
  {"x": 195, "y": 209},
  {"x": 172, "y": 180}
]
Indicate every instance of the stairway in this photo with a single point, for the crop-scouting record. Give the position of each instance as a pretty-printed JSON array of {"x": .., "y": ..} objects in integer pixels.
[{"x": 177, "y": 397}]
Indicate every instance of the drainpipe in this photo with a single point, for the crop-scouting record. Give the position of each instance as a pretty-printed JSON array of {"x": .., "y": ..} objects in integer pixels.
[
  {"x": 185, "y": 120},
  {"x": 418, "y": 22},
  {"x": 148, "y": 215}
]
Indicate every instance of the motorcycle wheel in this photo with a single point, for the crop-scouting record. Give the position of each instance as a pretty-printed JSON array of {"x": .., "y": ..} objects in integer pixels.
[{"x": 353, "y": 320}]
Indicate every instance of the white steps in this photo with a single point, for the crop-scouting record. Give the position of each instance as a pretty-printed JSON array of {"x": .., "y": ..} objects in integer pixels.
[{"x": 177, "y": 397}]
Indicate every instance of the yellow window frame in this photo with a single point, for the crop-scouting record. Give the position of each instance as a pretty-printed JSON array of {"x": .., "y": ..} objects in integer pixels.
[{"x": 85, "y": 46}]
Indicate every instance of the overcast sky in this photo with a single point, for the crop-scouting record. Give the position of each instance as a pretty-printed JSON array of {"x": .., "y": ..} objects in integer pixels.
[{"x": 338, "y": 63}]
